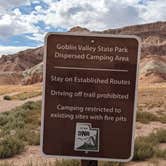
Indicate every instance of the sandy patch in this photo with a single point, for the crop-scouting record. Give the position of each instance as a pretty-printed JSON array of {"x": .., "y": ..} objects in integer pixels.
[
  {"x": 157, "y": 162},
  {"x": 6, "y": 105},
  {"x": 31, "y": 154},
  {"x": 146, "y": 129}
]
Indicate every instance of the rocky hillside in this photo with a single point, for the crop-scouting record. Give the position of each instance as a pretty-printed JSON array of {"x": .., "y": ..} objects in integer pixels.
[
  {"x": 13, "y": 67},
  {"x": 153, "y": 37},
  {"x": 22, "y": 60},
  {"x": 153, "y": 52},
  {"x": 25, "y": 67},
  {"x": 33, "y": 75}
]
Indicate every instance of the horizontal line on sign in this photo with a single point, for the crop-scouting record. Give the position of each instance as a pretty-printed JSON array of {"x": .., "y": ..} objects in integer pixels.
[{"x": 96, "y": 69}]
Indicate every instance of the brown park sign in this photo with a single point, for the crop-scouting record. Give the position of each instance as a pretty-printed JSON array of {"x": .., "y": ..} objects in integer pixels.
[{"x": 89, "y": 101}]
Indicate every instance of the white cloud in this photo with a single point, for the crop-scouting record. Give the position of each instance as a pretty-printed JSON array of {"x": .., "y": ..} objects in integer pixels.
[
  {"x": 49, "y": 2},
  {"x": 37, "y": 37},
  {"x": 15, "y": 23},
  {"x": 154, "y": 11},
  {"x": 99, "y": 15},
  {"x": 95, "y": 16},
  {"x": 8, "y": 4},
  {"x": 17, "y": 12},
  {"x": 103, "y": 14},
  {"x": 5, "y": 50},
  {"x": 36, "y": 2},
  {"x": 38, "y": 8}
]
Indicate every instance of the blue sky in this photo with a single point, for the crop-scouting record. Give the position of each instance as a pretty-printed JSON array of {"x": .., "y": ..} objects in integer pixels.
[{"x": 24, "y": 23}]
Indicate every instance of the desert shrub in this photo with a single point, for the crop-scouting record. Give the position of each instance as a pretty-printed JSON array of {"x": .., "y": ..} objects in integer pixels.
[
  {"x": 31, "y": 105},
  {"x": 161, "y": 135},
  {"x": 151, "y": 138},
  {"x": 10, "y": 146},
  {"x": 162, "y": 118},
  {"x": 26, "y": 95},
  {"x": 33, "y": 138},
  {"x": 160, "y": 153},
  {"x": 22, "y": 134},
  {"x": 6, "y": 164},
  {"x": 45, "y": 163},
  {"x": 7, "y": 97},
  {"x": 146, "y": 147},
  {"x": 14, "y": 119},
  {"x": 68, "y": 163},
  {"x": 28, "y": 136},
  {"x": 111, "y": 164},
  {"x": 146, "y": 117},
  {"x": 33, "y": 116},
  {"x": 19, "y": 127},
  {"x": 143, "y": 149},
  {"x": 23, "y": 95},
  {"x": 3, "y": 119}
]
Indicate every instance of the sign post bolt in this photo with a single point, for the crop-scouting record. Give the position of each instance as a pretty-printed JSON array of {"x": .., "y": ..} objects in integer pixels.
[{"x": 89, "y": 163}]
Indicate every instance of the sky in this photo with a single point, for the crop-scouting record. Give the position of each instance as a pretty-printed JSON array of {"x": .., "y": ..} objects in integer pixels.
[{"x": 24, "y": 23}]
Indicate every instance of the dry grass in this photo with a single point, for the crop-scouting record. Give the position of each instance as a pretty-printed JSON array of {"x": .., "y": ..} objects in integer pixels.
[
  {"x": 152, "y": 86},
  {"x": 152, "y": 94},
  {"x": 23, "y": 95},
  {"x": 60, "y": 163},
  {"x": 19, "y": 127},
  {"x": 151, "y": 98},
  {"x": 6, "y": 89}
]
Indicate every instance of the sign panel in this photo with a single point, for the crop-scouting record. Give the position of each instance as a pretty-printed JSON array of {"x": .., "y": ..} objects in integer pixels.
[{"x": 89, "y": 96}]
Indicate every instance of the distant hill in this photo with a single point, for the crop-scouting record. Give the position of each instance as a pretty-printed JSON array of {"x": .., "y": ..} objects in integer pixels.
[
  {"x": 26, "y": 66},
  {"x": 153, "y": 53},
  {"x": 22, "y": 60}
]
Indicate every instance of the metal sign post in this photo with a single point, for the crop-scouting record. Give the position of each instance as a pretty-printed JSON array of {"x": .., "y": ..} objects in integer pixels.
[{"x": 89, "y": 163}]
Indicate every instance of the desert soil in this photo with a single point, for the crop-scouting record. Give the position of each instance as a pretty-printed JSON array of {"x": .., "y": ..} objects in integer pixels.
[
  {"x": 7, "y": 105},
  {"x": 31, "y": 154},
  {"x": 151, "y": 99}
]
